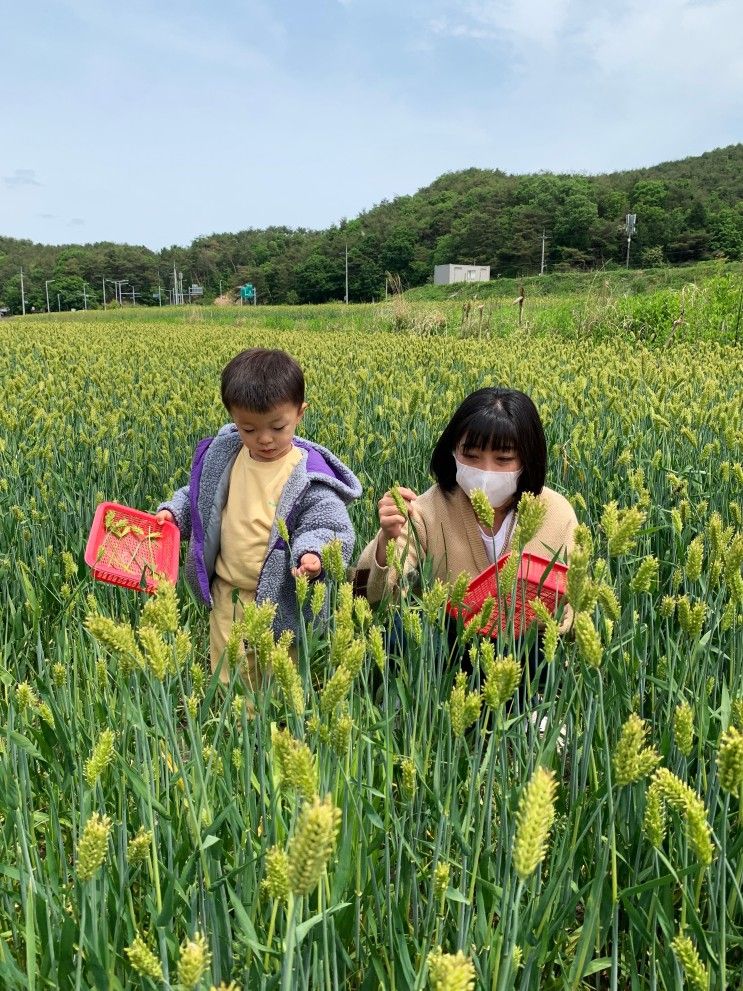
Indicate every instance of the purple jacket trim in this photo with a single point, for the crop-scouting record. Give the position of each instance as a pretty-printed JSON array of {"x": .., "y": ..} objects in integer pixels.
[
  {"x": 197, "y": 526},
  {"x": 315, "y": 461}
]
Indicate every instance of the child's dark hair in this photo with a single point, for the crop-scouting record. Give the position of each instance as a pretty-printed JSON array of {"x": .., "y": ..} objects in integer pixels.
[
  {"x": 260, "y": 379},
  {"x": 494, "y": 419}
]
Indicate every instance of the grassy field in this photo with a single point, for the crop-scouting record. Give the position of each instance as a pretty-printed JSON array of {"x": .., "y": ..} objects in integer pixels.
[{"x": 380, "y": 821}]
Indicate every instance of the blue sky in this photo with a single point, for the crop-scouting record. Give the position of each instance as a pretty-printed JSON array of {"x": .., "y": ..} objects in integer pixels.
[{"x": 154, "y": 122}]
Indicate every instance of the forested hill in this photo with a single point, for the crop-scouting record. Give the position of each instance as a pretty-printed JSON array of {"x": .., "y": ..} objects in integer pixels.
[{"x": 687, "y": 211}]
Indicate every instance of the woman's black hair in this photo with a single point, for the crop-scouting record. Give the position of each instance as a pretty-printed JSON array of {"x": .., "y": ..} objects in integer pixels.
[{"x": 494, "y": 419}]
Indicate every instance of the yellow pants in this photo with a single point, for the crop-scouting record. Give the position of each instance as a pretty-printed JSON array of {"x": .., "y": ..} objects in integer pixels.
[{"x": 221, "y": 619}]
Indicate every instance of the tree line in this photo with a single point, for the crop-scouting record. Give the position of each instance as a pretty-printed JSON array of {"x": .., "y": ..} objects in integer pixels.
[{"x": 687, "y": 211}]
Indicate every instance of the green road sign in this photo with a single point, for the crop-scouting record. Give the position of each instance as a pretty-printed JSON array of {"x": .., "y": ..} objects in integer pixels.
[{"x": 247, "y": 291}]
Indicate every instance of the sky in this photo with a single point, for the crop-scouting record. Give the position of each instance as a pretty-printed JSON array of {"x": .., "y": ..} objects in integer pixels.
[{"x": 156, "y": 122}]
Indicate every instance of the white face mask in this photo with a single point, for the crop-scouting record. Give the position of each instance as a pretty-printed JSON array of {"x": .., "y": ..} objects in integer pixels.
[{"x": 498, "y": 486}]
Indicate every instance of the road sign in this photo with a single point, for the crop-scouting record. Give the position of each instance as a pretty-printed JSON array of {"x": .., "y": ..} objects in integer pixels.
[{"x": 247, "y": 291}]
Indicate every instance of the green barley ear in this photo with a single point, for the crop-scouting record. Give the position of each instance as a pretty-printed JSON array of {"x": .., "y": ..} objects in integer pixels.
[
  {"x": 25, "y": 697},
  {"x": 336, "y": 689},
  {"x": 588, "y": 640},
  {"x": 621, "y": 527},
  {"x": 302, "y": 589},
  {"x": 193, "y": 961},
  {"x": 362, "y": 613},
  {"x": 411, "y": 621},
  {"x": 340, "y": 733},
  {"x": 161, "y": 609},
  {"x": 508, "y": 573},
  {"x": 288, "y": 678},
  {"x": 534, "y": 820},
  {"x": 158, "y": 654},
  {"x": 332, "y": 561},
  {"x": 119, "y": 639},
  {"x": 182, "y": 647},
  {"x": 459, "y": 588},
  {"x": 91, "y": 850},
  {"x": 464, "y": 706},
  {"x": 683, "y": 728},
  {"x": 503, "y": 678},
  {"x": 143, "y": 960},
  {"x": 276, "y": 882},
  {"x": 102, "y": 756},
  {"x": 691, "y": 616},
  {"x": 312, "y": 845},
  {"x": 736, "y": 713},
  {"x": 667, "y": 607},
  {"x": 682, "y": 798},
  {"x": 654, "y": 820},
  {"x": 440, "y": 884},
  {"x": 580, "y": 559},
  {"x": 375, "y": 644},
  {"x": 686, "y": 954},
  {"x": 633, "y": 761},
  {"x": 481, "y": 505},
  {"x": 295, "y": 762},
  {"x": 283, "y": 530},
  {"x": 138, "y": 848},
  {"x": 531, "y": 511},
  {"x": 400, "y": 504},
  {"x": 450, "y": 971},
  {"x": 646, "y": 577},
  {"x": 408, "y": 778},
  {"x": 392, "y": 558},
  {"x": 694, "y": 559},
  {"x": 606, "y": 595},
  {"x": 730, "y": 760},
  {"x": 59, "y": 674},
  {"x": 317, "y": 602},
  {"x": 433, "y": 601}
]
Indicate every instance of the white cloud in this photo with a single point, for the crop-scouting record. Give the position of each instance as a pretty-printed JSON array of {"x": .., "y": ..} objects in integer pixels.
[{"x": 21, "y": 177}]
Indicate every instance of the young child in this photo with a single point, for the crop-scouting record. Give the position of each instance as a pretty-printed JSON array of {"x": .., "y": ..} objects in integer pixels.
[{"x": 254, "y": 473}]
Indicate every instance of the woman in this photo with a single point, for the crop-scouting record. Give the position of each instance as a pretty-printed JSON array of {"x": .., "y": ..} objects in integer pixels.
[{"x": 495, "y": 442}]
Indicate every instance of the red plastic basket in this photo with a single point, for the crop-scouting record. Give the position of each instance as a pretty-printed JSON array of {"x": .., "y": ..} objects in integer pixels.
[
  {"x": 135, "y": 558},
  {"x": 537, "y": 576}
]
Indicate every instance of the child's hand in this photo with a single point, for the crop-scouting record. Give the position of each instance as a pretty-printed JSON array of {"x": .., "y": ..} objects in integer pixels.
[
  {"x": 391, "y": 520},
  {"x": 310, "y": 565},
  {"x": 165, "y": 516}
]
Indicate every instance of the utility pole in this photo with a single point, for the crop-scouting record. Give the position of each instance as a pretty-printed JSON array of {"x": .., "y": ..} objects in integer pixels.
[
  {"x": 85, "y": 296},
  {"x": 59, "y": 303},
  {"x": 23, "y": 296},
  {"x": 631, "y": 225},
  {"x": 541, "y": 267},
  {"x": 346, "y": 273},
  {"x": 159, "y": 295},
  {"x": 46, "y": 288}
]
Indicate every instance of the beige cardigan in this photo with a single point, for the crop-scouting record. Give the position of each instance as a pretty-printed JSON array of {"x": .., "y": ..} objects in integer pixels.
[{"x": 449, "y": 535}]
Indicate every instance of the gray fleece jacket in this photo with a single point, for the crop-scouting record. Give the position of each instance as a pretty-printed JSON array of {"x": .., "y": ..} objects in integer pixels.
[{"x": 312, "y": 503}]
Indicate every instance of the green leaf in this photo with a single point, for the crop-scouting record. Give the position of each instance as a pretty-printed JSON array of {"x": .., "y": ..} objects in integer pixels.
[{"x": 304, "y": 927}]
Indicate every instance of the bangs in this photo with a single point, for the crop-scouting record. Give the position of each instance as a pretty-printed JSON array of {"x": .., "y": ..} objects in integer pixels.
[{"x": 489, "y": 430}]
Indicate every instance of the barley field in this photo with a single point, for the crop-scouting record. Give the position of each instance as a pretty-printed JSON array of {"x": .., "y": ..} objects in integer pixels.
[{"x": 396, "y": 812}]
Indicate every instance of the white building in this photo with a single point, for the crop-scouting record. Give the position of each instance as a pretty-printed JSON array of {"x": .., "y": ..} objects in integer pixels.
[{"x": 444, "y": 275}]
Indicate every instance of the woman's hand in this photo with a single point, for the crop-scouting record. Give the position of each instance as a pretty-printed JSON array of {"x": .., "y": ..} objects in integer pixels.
[
  {"x": 310, "y": 565},
  {"x": 165, "y": 516},
  {"x": 391, "y": 520}
]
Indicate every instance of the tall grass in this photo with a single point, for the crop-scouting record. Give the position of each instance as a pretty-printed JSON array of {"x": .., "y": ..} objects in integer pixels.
[{"x": 438, "y": 843}]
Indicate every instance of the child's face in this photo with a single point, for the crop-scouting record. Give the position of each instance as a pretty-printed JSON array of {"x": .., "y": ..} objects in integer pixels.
[{"x": 268, "y": 436}]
